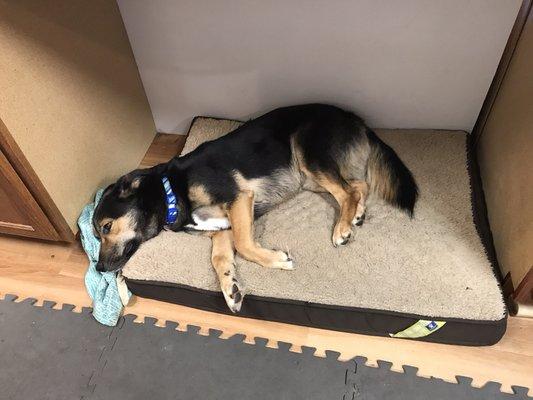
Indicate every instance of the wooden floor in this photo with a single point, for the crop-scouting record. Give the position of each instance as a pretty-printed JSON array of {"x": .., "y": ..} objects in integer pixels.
[
  {"x": 162, "y": 149},
  {"x": 54, "y": 272}
]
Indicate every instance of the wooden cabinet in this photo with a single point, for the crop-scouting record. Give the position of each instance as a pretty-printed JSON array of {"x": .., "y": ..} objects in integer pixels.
[
  {"x": 19, "y": 212},
  {"x": 26, "y": 208}
]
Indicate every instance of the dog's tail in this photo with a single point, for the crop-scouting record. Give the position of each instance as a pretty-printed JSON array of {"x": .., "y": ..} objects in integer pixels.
[{"x": 388, "y": 176}]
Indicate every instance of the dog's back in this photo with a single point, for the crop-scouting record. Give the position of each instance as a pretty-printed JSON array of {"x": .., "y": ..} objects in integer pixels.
[{"x": 275, "y": 154}]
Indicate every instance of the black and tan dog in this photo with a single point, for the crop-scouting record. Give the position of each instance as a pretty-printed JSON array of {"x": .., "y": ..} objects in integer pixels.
[{"x": 242, "y": 175}]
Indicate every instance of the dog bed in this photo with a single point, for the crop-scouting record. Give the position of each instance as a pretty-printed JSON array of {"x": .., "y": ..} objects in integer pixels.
[{"x": 433, "y": 277}]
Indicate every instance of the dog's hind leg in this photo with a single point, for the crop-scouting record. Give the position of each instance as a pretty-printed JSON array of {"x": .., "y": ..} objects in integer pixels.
[
  {"x": 360, "y": 196},
  {"x": 347, "y": 198},
  {"x": 328, "y": 177},
  {"x": 241, "y": 215},
  {"x": 222, "y": 259}
]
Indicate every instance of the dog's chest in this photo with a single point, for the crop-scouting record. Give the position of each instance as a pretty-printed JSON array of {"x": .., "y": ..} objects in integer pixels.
[{"x": 208, "y": 218}]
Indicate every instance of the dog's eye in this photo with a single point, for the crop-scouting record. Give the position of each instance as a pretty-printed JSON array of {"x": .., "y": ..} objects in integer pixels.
[{"x": 106, "y": 228}]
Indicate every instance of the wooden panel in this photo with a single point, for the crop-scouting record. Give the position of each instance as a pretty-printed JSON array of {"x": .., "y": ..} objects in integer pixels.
[
  {"x": 19, "y": 212},
  {"x": 506, "y": 163}
]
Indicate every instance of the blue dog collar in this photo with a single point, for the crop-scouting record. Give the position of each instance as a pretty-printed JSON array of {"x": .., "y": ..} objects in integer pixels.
[{"x": 172, "y": 207}]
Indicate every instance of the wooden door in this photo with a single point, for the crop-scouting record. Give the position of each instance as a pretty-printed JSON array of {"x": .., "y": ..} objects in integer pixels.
[{"x": 19, "y": 212}]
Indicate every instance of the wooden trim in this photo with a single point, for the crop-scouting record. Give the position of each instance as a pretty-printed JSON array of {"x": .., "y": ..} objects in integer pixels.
[
  {"x": 16, "y": 226},
  {"x": 507, "y": 286},
  {"x": 32, "y": 182},
  {"x": 501, "y": 71},
  {"x": 524, "y": 292}
]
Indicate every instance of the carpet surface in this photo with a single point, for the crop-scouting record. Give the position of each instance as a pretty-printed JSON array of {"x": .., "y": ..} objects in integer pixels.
[{"x": 433, "y": 265}]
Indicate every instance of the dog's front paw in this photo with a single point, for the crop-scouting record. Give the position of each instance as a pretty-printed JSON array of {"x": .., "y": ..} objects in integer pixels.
[
  {"x": 281, "y": 260},
  {"x": 233, "y": 294}
]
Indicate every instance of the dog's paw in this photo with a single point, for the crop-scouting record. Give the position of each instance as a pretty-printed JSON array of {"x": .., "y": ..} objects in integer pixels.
[
  {"x": 341, "y": 235},
  {"x": 233, "y": 294},
  {"x": 282, "y": 260},
  {"x": 360, "y": 215},
  {"x": 359, "y": 219}
]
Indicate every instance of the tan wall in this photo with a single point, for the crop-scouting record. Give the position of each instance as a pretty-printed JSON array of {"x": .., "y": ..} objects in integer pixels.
[
  {"x": 71, "y": 95},
  {"x": 506, "y": 161}
]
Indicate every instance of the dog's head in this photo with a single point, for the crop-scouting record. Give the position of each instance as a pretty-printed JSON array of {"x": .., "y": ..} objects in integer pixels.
[{"x": 129, "y": 213}]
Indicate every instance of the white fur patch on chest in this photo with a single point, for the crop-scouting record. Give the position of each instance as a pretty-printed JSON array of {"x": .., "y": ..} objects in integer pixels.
[{"x": 206, "y": 222}]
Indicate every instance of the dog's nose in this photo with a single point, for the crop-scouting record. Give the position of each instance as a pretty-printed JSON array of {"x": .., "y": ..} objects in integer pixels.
[{"x": 100, "y": 266}]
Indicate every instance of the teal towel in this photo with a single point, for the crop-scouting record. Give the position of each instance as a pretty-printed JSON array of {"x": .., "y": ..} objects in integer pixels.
[{"x": 102, "y": 286}]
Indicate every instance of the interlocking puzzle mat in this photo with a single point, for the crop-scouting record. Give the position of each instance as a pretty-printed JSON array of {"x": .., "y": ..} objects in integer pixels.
[{"x": 57, "y": 354}]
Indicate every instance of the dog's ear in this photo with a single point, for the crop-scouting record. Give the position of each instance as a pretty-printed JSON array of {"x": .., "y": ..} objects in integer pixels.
[{"x": 128, "y": 184}]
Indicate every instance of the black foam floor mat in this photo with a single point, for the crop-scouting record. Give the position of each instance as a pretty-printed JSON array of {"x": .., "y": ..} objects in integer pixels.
[{"x": 57, "y": 354}]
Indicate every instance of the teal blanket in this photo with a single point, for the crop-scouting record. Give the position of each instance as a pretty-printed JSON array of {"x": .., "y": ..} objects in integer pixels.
[{"x": 107, "y": 289}]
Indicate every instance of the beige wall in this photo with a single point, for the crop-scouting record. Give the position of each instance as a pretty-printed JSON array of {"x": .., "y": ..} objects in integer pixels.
[
  {"x": 400, "y": 64},
  {"x": 506, "y": 161},
  {"x": 71, "y": 95}
]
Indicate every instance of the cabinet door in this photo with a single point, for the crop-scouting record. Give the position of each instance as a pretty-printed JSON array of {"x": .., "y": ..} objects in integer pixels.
[{"x": 19, "y": 212}]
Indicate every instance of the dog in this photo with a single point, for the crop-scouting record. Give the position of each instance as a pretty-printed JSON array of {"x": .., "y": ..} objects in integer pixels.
[{"x": 223, "y": 185}]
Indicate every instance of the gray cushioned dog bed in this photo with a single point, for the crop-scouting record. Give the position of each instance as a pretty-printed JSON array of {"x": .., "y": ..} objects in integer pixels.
[{"x": 395, "y": 271}]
